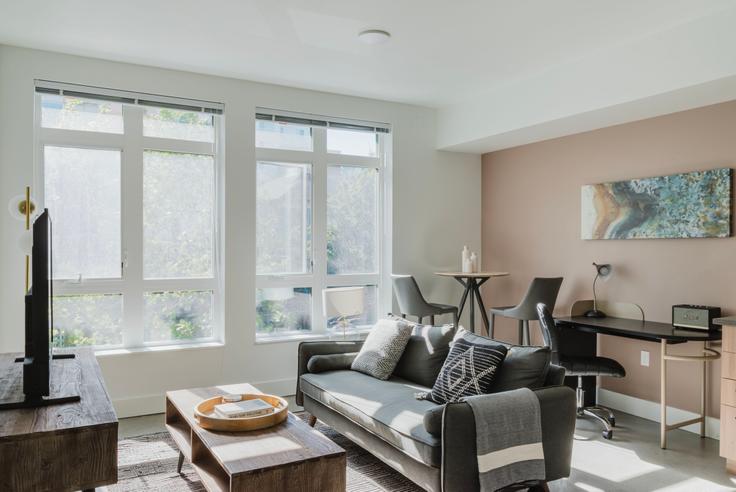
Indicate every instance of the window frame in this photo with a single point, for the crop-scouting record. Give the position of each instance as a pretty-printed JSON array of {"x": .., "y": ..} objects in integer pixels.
[
  {"x": 320, "y": 160},
  {"x": 132, "y": 145}
]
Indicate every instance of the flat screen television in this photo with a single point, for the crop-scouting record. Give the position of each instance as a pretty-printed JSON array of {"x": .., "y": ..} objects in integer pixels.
[{"x": 39, "y": 329}]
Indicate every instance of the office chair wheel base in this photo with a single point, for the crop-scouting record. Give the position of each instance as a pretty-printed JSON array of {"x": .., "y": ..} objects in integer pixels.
[{"x": 607, "y": 434}]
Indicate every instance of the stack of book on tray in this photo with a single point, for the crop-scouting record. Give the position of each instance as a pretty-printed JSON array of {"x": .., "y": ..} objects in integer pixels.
[{"x": 242, "y": 409}]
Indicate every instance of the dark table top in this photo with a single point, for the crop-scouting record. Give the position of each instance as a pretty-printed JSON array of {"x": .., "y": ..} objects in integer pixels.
[{"x": 640, "y": 330}]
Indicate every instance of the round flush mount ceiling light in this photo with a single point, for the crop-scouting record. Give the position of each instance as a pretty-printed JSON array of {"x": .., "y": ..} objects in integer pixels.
[{"x": 374, "y": 36}]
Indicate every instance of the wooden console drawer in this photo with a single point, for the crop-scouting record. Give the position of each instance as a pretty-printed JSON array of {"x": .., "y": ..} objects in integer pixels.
[
  {"x": 728, "y": 432},
  {"x": 728, "y": 342},
  {"x": 728, "y": 365},
  {"x": 728, "y": 392}
]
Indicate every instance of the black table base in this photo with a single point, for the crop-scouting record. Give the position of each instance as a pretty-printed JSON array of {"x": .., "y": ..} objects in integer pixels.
[{"x": 472, "y": 291}]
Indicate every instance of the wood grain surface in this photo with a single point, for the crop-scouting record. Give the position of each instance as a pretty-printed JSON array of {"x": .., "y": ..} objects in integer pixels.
[
  {"x": 288, "y": 457},
  {"x": 70, "y": 446}
]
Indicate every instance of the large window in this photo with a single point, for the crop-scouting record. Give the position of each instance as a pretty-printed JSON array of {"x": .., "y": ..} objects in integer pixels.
[
  {"x": 131, "y": 189},
  {"x": 320, "y": 207}
]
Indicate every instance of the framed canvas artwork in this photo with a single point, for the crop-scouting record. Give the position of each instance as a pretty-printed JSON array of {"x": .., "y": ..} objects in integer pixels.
[{"x": 687, "y": 205}]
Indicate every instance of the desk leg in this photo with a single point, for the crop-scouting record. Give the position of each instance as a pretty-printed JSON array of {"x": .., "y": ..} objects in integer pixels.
[
  {"x": 708, "y": 355},
  {"x": 702, "y": 393},
  {"x": 663, "y": 396}
]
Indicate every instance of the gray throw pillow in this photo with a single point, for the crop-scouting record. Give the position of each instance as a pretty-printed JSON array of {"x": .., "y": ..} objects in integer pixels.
[
  {"x": 524, "y": 366},
  {"x": 382, "y": 348},
  {"x": 425, "y": 353},
  {"x": 469, "y": 369}
]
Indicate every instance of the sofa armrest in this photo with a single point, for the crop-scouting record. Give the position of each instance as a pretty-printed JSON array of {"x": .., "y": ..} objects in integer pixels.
[
  {"x": 331, "y": 362},
  {"x": 308, "y": 349},
  {"x": 555, "y": 376},
  {"x": 459, "y": 460}
]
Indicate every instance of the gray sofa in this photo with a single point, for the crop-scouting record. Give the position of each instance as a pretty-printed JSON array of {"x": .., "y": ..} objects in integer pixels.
[{"x": 432, "y": 445}]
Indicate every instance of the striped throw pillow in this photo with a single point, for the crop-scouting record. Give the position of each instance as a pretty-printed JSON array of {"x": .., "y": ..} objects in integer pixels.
[{"x": 469, "y": 369}]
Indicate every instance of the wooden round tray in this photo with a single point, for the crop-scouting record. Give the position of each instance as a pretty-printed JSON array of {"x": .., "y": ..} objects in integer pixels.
[{"x": 204, "y": 413}]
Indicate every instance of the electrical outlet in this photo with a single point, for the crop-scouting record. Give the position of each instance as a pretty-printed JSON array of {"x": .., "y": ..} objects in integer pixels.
[{"x": 645, "y": 358}]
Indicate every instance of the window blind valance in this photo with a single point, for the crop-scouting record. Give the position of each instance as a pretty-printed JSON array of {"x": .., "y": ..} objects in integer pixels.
[
  {"x": 320, "y": 121},
  {"x": 127, "y": 97}
]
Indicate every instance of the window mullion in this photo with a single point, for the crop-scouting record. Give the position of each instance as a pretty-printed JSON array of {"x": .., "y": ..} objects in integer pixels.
[
  {"x": 319, "y": 176},
  {"x": 132, "y": 223},
  {"x": 385, "y": 232}
]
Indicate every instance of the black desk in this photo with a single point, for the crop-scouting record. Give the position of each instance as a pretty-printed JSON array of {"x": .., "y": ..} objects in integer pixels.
[
  {"x": 651, "y": 331},
  {"x": 578, "y": 337}
]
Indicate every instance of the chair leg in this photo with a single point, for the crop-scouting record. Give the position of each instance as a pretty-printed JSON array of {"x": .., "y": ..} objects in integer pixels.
[
  {"x": 583, "y": 411},
  {"x": 527, "y": 339},
  {"x": 312, "y": 420},
  {"x": 521, "y": 332},
  {"x": 608, "y": 431},
  {"x": 431, "y": 320},
  {"x": 609, "y": 416},
  {"x": 180, "y": 463},
  {"x": 455, "y": 319},
  {"x": 491, "y": 322}
]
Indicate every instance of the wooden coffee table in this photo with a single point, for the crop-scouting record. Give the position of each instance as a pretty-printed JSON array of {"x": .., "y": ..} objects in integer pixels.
[{"x": 291, "y": 456}]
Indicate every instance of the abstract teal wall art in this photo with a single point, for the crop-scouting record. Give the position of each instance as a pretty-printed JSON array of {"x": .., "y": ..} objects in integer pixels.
[{"x": 688, "y": 205}]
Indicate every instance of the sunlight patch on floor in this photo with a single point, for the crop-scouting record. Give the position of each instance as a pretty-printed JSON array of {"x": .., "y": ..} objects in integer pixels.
[
  {"x": 595, "y": 458},
  {"x": 587, "y": 488},
  {"x": 692, "y": 484}
]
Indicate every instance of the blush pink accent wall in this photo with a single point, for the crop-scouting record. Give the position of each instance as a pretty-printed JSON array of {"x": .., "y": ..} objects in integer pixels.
[{"x": 531, "y": 227}]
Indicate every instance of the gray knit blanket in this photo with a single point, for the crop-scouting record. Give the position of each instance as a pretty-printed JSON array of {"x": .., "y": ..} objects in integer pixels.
[{"x": 508, "y": 430}]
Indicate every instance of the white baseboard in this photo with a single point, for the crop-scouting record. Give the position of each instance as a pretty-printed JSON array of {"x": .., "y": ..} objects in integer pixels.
[
  {"x": 150, "y": 404},
  {"x": 138, "y": 405},
  {"x": 650, "y": 410}
]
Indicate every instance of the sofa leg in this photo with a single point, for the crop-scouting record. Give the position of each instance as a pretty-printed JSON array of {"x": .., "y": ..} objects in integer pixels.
[{"x": 312, "y": 420}]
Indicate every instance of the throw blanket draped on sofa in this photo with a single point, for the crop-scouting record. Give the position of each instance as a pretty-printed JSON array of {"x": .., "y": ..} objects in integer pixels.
[{"x": 508, "y": 431}]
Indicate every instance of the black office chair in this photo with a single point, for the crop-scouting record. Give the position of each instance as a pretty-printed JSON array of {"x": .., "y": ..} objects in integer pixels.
[
  {"x": 412, "y": 302},
  {"x": 581, "y": 366}
]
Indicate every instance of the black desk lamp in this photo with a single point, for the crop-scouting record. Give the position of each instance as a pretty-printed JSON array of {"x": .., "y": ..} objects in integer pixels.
[{"x": 602, "y": 271}]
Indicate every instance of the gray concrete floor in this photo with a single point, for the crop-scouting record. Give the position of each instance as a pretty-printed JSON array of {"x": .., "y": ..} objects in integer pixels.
[{"x": 631, "y": 462}]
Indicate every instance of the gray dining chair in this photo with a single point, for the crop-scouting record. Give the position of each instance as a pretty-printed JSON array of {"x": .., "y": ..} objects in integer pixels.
[
  {"x": 412, "y": 302},
  {"x": 542, "y": 290}
]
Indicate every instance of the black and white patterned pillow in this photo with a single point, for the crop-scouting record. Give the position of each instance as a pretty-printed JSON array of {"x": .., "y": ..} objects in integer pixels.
[
  {"x": 469, "y": 370},
  {"x": 382, "y": 348}
]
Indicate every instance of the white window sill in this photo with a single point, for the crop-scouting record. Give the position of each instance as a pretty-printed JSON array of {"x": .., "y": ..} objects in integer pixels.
[
  {"x": 159, "y": 348},
  {"x": 326, "y": 336}
]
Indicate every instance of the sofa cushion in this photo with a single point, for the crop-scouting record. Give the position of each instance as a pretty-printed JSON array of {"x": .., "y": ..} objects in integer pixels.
[
  {"x": 425, "y": 353},
  {"x": 525, "y": 366},
  {"x": 469, "y": 369},
  {"x": 386, "y": 408},
  {"x": 382, "y": 348}
]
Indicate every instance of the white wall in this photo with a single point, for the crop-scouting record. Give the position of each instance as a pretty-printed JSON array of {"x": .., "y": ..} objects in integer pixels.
[{"x": 436, "y": 209}]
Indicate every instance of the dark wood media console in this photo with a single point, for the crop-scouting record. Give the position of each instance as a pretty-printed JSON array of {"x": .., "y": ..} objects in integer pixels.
[{"x": 70, "y": 446}]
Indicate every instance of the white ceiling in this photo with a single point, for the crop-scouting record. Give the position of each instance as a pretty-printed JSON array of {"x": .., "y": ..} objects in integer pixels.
[{"x": 442, "y": 53}]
